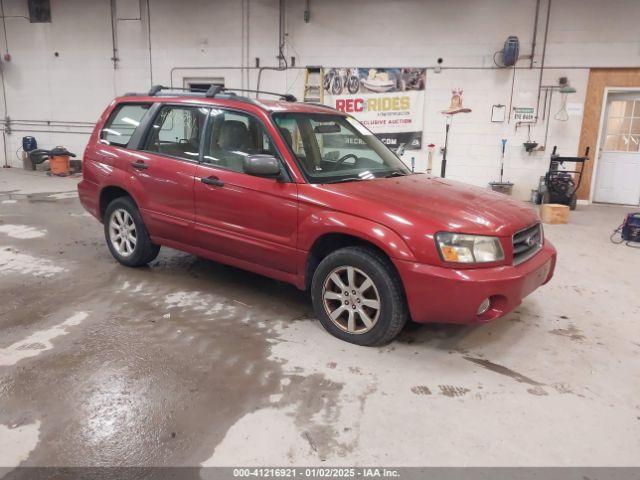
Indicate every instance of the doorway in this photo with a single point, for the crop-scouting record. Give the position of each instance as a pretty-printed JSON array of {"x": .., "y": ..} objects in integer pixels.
[{"x": 618, "y": 170}]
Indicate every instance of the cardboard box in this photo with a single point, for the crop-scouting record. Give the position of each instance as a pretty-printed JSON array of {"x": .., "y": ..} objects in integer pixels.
[{"x": 554, "y": 213}]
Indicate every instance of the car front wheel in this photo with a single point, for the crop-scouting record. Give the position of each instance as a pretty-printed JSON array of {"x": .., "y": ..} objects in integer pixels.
[{"x": 358, "y": 297}]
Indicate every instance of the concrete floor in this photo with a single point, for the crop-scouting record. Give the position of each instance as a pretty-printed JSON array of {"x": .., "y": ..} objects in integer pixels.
[{"x": 189, "y": 362}]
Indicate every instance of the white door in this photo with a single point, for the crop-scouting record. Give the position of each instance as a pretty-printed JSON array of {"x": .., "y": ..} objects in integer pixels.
[{"x": 618, "y": 175}]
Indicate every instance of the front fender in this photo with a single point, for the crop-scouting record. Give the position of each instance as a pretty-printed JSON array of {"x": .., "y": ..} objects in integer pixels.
[{"x": 318, "y": 223}]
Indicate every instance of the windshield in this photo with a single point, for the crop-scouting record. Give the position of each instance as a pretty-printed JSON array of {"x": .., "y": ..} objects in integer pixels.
[{"x": 333, "y": 148}]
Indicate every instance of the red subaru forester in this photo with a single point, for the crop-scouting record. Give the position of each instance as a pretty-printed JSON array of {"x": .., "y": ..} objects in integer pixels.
[{"x": 305, "y": 194}]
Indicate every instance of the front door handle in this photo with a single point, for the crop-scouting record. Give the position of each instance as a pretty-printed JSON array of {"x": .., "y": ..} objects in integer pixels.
[
  {"x": 140, "y": 165},
  {"x": 215, "y": 181}
]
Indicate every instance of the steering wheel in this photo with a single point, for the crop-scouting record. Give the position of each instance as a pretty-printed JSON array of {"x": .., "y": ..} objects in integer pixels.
[{"x": 342, "y": 159}]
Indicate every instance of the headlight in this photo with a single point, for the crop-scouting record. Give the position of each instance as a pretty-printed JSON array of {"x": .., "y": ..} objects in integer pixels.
[{"x": 460, "y": 248}]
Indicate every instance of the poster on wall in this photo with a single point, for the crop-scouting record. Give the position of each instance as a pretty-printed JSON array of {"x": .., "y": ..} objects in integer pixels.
[{"x": 388, "y": 101}]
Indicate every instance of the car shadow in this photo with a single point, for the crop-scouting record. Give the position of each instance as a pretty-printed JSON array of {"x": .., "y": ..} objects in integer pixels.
[{"x": 285, "y": 300}]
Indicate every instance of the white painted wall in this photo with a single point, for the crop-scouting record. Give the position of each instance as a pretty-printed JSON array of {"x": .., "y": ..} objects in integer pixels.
[{"x": 190, "y": 35}]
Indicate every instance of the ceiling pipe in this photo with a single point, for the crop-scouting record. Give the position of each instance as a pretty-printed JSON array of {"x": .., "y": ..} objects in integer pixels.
[
  {"x": 114, "y": 43},
  {"x": 535, "y": 33},
  {"x": 282, "y": 61},
  {"x": 544, "y": 52}
]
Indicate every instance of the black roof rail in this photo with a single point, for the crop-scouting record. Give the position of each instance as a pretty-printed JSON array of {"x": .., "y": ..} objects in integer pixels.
[
  {"x": 215, "y": 90},
  {"x": 158, "y": 89},
  {"x": 155, "y": 89},
  {"x": 287, "y": 97}
]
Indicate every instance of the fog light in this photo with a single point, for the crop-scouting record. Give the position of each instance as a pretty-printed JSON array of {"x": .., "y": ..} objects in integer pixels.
[{"x": 484, "y": 306}]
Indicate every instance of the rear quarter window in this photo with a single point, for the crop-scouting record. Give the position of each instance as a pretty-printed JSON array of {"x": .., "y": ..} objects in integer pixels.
[{"x": 122, "y": 122}]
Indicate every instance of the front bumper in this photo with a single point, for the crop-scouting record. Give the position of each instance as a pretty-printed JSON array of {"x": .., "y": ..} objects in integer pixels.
[{"x": 445, "y": 295}]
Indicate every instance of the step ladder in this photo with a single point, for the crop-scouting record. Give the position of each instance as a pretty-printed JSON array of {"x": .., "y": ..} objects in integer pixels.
[{"x": 313, "y": 91}]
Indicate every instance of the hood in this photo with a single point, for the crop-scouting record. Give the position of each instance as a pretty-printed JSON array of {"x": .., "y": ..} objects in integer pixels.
[{"x": 432, "y": 204}]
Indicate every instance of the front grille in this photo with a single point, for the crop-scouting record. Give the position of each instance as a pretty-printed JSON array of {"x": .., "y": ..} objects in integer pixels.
[{"x": 526, "y": 243}]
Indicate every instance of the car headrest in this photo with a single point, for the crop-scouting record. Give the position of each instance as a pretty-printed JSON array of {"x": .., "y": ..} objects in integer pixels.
[{"x": 234, "y": 135}]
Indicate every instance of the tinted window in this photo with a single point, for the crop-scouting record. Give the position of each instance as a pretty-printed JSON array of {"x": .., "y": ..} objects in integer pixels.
[
  {"x": 176, "y": 131},
  {"x": 122, "y": 123},
  {"x": 235, "y": 135}
]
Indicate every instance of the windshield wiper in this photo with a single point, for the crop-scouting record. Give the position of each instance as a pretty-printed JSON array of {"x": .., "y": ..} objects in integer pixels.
[
  {"x": 396, "y": 173},
  {"x": 348, "y": 179}
]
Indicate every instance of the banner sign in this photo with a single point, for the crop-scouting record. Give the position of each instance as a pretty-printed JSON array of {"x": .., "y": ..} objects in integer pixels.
[{"x": 388, "y": 101}]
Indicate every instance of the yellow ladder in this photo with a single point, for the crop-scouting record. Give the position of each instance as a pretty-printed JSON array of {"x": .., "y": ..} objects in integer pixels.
[{"x": 313, "y": 91}]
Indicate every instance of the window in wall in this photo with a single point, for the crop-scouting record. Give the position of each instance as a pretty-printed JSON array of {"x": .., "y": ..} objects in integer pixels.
[
  {"x": 39, "y": 11},
  {"x": 122, "y": 123},
  {"x": 203, "y": 84},
  {"x": 176, "y": 132},
  {"x": 234, "y": 136},
  {"x": 623, "y": 126}
]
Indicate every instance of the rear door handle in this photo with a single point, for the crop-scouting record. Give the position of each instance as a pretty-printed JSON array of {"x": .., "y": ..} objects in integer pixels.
[
  {"x": 215, "y": 181},
  {"x": 140, "y": 165}
]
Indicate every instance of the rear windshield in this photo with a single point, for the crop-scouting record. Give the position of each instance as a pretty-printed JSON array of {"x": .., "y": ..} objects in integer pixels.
[{"x": 122, "y": 122}]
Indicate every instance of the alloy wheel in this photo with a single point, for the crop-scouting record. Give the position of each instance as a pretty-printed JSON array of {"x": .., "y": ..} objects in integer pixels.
[
  {"x": 122, "y": 232},
  {"x": 351, "y": 300}
]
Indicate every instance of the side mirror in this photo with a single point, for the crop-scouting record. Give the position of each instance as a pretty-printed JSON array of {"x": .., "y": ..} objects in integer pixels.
[{"x": 261, "y": 166}]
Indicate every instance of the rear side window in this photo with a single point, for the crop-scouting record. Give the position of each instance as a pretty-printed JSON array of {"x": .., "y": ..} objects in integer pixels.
[
  {"x": 176, "y": 131},
  {"x": 122, "y": 122}
]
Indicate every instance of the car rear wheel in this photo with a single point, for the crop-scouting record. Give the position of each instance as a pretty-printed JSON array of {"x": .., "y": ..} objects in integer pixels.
[
  {"x": 358, "y": 297},
  {"x": 126, "y": 235}
]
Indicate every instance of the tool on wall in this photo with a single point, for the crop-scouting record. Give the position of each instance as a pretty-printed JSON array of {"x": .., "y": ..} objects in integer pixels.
[
  {"x": 502, "y": 186},
  {"x": 629, "y": 231},
  {"x": 529, "y": 145}
]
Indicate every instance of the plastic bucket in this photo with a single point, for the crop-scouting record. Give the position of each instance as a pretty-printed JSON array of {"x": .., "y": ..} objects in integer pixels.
[{"x": 59, "y": 165}]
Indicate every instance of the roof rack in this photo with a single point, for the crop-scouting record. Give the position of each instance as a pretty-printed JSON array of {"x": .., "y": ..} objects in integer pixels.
[
  {"x": 215, "y": 90},
  {"x": 287, "y": 97}
]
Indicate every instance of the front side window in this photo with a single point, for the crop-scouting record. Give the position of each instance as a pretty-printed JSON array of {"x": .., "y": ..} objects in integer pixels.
[
  {"x": 234, "y": 136},
  {"x": 176, "y": 132},
  {"x": 122, "y": 123},
  {"x": 334, "y": 148}
]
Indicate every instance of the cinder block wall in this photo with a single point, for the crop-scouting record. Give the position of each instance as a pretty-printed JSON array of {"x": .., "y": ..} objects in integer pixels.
[{"x": 171, "y": 41}]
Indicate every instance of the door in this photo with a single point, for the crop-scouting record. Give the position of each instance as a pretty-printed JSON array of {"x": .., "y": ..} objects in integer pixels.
[
  {"x": 247, "y": 218},
  {"x": 166, "y": 170},
  {"x": 618, "y": 176}
]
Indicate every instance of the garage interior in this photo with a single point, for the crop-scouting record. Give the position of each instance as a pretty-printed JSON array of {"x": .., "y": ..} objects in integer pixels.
[{"x": 189, "y": 362}]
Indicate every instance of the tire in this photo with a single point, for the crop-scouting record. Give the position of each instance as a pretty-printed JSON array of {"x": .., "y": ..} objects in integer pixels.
[
  {"x": 137, "y": 250},
  {"x": 353, "y": 84},
  {"x": 385, "y": 322}
]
